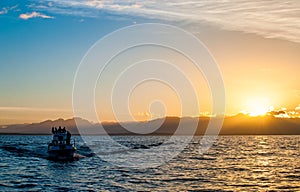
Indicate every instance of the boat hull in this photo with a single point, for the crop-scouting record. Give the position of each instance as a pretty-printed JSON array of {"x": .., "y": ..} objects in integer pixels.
[{"x": 61, "y": 152}]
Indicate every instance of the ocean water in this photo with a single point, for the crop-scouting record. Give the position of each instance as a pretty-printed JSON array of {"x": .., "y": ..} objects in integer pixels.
[{"x": 233, "y": 163}]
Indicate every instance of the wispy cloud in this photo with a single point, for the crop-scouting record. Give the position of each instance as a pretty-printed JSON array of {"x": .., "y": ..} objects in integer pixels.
[
  {"x": 3, "y": 11},
  {"x": 271, "y": 19},
  {"x": 32, "y": 109},
  {"x": 34, "y": 14}
]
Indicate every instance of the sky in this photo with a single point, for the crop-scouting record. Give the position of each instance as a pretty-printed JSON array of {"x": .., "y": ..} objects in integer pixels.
[{"x": 255, "y": 43}]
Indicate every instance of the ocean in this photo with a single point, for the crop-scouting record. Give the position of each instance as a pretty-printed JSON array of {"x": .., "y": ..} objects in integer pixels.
[{"x": 233, "y": 163}]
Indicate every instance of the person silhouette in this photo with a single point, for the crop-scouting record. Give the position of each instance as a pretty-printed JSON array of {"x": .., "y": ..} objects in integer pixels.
[{"x": 68, "y": 138}]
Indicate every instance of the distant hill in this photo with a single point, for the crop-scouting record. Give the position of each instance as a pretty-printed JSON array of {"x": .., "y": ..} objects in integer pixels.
[
  {"x": 45, "y": 126},
  {"x": 261, "y": 125},
  {"x": 235, "y": 125}
]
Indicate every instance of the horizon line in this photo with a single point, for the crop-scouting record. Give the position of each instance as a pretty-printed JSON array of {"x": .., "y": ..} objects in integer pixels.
[{"x": 143, "y": 121}]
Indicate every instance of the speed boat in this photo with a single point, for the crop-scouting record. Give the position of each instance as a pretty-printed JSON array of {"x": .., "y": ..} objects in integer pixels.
[{"x": 60, "y": 147}]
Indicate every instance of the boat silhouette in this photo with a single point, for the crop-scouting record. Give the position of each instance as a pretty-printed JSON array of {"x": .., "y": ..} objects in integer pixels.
[{"x": 60, "y": 148}]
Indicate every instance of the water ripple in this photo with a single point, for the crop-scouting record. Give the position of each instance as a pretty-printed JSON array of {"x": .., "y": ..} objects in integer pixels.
[{"x": 234, "y": 163}]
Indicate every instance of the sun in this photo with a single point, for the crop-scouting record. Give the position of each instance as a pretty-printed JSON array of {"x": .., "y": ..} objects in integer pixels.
[{"x": 257, "y": 106}]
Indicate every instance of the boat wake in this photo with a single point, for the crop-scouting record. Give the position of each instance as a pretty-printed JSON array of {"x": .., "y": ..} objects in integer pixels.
[
  {"x": 23, "y": 152},
  {"x": 39, "y": 152}
]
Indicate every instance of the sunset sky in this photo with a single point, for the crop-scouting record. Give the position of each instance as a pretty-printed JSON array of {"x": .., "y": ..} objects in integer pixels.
[{"x": 255, "y": 43}]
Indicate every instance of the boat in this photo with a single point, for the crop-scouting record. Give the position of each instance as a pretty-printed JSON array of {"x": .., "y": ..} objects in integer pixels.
[{"x": 60, "y": 148}]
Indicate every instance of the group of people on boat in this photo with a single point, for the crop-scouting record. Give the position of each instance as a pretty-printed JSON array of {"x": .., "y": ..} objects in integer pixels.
[
  {"x": 56, "y": 130},
  {"x": 61, "y": 135}
]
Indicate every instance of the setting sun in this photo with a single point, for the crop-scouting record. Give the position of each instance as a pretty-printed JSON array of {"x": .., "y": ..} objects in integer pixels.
[{"x": 257, "y": 106}]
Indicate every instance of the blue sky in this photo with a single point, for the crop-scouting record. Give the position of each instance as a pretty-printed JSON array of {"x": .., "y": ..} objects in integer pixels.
[
  {"x": 39, "y": 57},
  {"x": 43, "y": 42}
]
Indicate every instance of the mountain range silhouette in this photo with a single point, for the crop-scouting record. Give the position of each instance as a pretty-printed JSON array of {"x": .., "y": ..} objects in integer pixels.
[{"x": 235, "y": 125}]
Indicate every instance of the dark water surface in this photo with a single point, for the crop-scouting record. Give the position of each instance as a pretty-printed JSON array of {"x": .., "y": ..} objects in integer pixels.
[{"x": 234, "y": 163}]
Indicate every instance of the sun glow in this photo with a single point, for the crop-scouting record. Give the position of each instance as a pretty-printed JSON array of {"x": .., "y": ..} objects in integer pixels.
[{"x": 257, "y": 106}]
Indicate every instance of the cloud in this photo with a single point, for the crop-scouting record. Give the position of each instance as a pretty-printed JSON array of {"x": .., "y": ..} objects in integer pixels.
[
  {"x": 270, "y": 19},
  {"x": 15, "y": 109},
  {"x": 284, "y": 112},
  {"x": 142, "y": 114},
  {"x": 3, "y": 11},
  {"x": 34, "y": 14}
]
